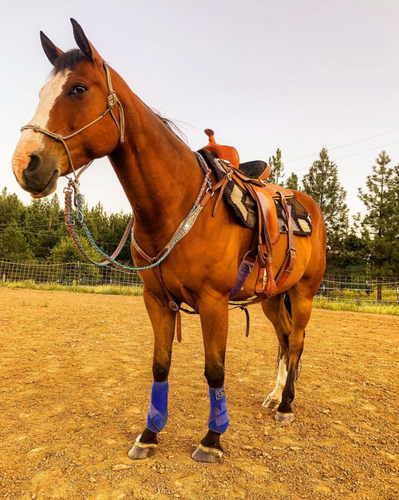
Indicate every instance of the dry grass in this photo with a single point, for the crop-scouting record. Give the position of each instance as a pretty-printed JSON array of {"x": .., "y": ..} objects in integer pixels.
[
  {"x": 319, "y": 302},
  {"x": 96, "y": 289}
]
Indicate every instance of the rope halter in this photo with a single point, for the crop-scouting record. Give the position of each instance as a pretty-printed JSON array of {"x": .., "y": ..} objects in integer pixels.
[{"x": 112, "y": 100}]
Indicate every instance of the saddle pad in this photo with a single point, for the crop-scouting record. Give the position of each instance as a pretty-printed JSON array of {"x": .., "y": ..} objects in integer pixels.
[
  {"x": 301, "y": 220},
  {"x": 244, "y": 207}
]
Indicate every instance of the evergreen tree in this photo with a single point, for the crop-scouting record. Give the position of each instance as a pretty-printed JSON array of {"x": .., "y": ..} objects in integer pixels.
[
  {"x": 13, "y": 244},
  {"x": 277, "y": 169},
  {"x": 292, "y": 182},
  {"x": 379, "y": 196},
  {"x": 322, "y": 184},
  {"x": 66, "y": 251},
  {"x": 354, "y": 256},
  {"x": 380, "y": 224},
  {"x": 44, "y": 225},
  {"x": 11, "y": 209},
  {"x": 98, "y": 223}
]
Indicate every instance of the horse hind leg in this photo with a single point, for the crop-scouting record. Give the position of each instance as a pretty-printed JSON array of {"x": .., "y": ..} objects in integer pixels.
[
  {"x": 276, "y": 311},
  {"x": 301, "y": 303}
]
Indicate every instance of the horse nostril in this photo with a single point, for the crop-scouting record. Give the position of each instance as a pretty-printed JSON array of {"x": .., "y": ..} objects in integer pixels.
[{"x": 34, "y": 163}]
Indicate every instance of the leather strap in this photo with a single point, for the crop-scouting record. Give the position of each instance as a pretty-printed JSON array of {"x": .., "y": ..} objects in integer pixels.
[{"x": 290, "y": 258}]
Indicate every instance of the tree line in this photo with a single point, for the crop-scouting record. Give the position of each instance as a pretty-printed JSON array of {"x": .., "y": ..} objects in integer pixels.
[
  {"x": 370, "y": 245},
  {"x": 37, "y": 231},
  {"x": 367, "y": 246}
]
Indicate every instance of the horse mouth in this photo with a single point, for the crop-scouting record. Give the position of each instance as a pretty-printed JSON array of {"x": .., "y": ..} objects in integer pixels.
[{"x": 49, "y": 187}]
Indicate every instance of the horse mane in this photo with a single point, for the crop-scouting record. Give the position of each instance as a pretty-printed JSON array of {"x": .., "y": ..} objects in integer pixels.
[{"x": 171, "y": 126}]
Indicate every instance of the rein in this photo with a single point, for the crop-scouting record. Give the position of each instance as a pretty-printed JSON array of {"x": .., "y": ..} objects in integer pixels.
[{"x": 72, "y": 191}]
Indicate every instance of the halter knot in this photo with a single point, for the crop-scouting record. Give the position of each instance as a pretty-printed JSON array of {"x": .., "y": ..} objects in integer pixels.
[
  {"x": 111, "y": 99},
  {"x": 36, "y": 128},
  {"x": 57, "y": 137}
]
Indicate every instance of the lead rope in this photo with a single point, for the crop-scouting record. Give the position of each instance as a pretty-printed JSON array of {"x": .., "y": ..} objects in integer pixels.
[{"x": 73, "y": 191}]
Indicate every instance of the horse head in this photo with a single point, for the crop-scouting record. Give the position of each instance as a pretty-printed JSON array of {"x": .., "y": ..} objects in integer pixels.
[{"x": 74, "y": 122}]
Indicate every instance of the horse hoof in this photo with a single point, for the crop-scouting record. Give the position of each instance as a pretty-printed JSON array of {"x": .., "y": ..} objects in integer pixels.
[
  {"x": 208, "y": 455},
  {"x": 284, "y": 417},
  {"x": 140, "y": 451},
  {"x": 270, "y": 403}
]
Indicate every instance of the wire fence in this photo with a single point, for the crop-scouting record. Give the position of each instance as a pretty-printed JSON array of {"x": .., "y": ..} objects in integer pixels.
[
  {"x": 70, "y": 273},
  {"x": 360, "y": 289},
  {"x": 333, "y": 287}
]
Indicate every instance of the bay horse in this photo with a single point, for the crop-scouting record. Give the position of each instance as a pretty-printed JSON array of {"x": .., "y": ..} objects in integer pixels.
[{"x": 87, "y": 111}]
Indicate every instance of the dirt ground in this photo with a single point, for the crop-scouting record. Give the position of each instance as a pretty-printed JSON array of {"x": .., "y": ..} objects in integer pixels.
[{"x": 76, "y": 373}]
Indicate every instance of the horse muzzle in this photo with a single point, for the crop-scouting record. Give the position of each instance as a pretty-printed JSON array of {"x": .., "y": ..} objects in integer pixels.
[{"x": 36, "y": 173}]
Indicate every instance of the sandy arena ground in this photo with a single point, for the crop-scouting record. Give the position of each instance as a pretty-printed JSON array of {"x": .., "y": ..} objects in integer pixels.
[{"x": 76, "y": 373}]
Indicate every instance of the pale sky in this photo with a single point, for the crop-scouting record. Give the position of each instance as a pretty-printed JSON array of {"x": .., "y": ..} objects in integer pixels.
[{"x": 298, "y": 75}]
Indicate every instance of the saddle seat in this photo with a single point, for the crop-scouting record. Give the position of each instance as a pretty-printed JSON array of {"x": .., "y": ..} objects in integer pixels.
[{"x": 255, "y": 169}]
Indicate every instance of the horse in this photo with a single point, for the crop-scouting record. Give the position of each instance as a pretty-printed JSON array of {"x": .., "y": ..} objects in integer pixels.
[{"x": 87, "y": 111}]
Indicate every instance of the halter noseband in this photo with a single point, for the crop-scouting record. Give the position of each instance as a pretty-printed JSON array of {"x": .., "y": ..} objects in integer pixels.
[{"x": 112, "y": 99}]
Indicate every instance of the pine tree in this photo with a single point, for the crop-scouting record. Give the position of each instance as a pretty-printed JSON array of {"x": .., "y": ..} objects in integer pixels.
[
  {"x": 292, "y": 182},
  {"x": 13, "y": 244},
  {"x": 11, "y": 209},
  {"x": 44, "y": 225},
  {"x": 322, "y": 184},
  {"x": 277, "y": 168},
  {"x": 380, "y": 224},
  {"x": 378, "y": 198}
]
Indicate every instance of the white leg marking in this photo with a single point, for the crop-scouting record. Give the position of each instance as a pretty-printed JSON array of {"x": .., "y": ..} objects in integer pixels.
[
  {"x": 274, "y": 398},
  {"x": 31, "y": 141}
]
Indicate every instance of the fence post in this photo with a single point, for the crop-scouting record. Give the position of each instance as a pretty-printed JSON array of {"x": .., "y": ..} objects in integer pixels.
[
  {"x": 379, "y": 289},
  {"x": 4, "y": 277}
]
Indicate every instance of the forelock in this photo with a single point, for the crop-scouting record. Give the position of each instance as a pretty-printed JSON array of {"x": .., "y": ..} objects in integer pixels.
[{"x": 68, "y": 61}]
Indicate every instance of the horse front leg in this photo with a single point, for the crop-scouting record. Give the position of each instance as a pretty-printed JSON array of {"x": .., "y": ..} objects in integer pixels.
[
  {"x": 163, "y": 322},
  {"x": 214, "y": 321}
]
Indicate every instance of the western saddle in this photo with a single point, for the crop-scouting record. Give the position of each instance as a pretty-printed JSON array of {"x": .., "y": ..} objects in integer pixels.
[{"x": 251, "y": 178}]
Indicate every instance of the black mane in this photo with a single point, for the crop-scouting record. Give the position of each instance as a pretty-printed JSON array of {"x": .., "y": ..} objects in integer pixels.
[{"x": 68, "y": 60}]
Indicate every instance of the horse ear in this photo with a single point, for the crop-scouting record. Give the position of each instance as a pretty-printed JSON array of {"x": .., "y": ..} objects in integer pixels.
[
  {"x": 83, "y": 43},
  {"x": 52, "y": 52}
]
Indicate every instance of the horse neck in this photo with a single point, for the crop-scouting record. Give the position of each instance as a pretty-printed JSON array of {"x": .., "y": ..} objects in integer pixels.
[{"x": 158, "y": 172}]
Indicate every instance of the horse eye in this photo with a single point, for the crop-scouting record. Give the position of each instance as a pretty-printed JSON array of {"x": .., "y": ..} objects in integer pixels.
[{"x": 79, "y": 90}]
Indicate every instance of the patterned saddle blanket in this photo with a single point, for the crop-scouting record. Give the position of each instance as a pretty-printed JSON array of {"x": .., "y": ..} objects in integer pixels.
[{"x": 244, "y": 207}]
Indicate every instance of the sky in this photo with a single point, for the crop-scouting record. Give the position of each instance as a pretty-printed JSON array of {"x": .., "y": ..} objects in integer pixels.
[{"x": 298, "y": 75}]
